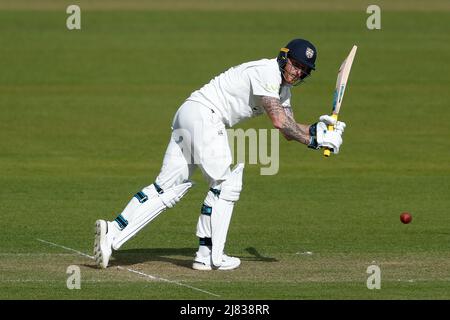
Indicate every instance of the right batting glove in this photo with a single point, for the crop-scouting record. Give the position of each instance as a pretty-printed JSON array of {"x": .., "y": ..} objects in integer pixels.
[{"x": 329, "y": 120}]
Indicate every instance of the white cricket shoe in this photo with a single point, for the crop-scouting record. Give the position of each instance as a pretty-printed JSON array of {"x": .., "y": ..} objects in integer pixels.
[
  {"x": 102, "y": 244},
  {"x": 205, "y": 263}
]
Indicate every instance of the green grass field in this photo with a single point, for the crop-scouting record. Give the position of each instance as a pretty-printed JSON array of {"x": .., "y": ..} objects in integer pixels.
[{"x": 85, "y": 119}]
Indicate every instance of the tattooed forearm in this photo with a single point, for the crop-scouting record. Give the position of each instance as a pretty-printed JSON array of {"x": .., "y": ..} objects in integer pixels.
[
  {"x": 295, "y": 131},
  {"x": 272, "y": 106},
  {"x": 286, "y": 124}
]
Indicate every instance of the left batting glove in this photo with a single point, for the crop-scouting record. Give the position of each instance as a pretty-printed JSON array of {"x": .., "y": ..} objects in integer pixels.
[{"x": 321, "y": 137}]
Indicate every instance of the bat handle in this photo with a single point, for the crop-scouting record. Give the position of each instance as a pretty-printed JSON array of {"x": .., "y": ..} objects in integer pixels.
[{"x": 327, "y": 152}]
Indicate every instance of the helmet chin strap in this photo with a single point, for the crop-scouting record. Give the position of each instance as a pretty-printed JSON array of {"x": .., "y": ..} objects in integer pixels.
[{"x": 296, "y": 83}]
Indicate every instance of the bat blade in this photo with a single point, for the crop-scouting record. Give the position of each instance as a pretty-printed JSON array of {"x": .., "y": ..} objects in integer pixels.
[{"x": 341, "y": 84}]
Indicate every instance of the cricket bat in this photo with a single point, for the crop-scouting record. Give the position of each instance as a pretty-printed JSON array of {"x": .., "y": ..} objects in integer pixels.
[{"x": 341, "y": 84}]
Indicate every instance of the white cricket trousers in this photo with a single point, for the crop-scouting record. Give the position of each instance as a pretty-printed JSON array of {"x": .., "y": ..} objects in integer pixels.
[{"x": 199, "y": 139}]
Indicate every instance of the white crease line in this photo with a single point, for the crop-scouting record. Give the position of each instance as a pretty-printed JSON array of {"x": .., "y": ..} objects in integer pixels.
[
  {"x": 169, "y": 281},
  {"x": 70, "y": 249},
  {"x": 131, "y": 270}
]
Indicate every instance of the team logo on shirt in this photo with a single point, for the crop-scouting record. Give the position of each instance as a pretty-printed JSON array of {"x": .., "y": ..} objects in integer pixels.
[{"x": 309, "y": 53}]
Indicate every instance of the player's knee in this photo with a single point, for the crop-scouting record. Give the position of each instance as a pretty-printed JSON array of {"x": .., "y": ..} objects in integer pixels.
[
  {"x": 172, "y": 174},
  {"x": 231, "y": 188},
  {"x": 165, "y": 183},
  {"x": 169, "y": 195}
]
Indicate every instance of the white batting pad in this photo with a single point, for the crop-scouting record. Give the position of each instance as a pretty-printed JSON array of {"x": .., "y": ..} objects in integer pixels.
[
  {"x": 149, "y": 210},
  {"x": 222, "y": 211}
]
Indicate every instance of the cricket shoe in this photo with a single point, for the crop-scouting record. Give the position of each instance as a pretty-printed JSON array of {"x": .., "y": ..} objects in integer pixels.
[
  {"x": 102, "y": 244},
  {"x": 205, "y": 263}
]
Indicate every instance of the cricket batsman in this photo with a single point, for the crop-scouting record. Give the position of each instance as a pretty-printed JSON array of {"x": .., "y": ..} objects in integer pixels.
[{"x": 199, "y": 140}]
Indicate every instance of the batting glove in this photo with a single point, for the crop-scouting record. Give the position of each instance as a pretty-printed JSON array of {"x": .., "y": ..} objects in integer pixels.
[
  {"x": 329, "y": 120},
  {"x": 321, "y": 137}
]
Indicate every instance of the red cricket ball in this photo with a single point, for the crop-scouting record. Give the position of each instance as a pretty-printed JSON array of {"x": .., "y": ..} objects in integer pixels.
[{"x": 405, "y": 217}]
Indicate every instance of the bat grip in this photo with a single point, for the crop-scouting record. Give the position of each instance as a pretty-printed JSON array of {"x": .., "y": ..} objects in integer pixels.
[{"x": 327, "y": 152}]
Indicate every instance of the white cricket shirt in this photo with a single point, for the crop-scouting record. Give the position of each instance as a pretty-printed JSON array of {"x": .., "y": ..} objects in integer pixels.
[{"x": 236, "y": 93}]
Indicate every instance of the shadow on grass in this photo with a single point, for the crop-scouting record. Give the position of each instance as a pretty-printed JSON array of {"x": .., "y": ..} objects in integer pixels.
[
  {"x": 257, "y": 256},
  {"x": 170, "y": 255},
  {"x": 182, "y": 257}
]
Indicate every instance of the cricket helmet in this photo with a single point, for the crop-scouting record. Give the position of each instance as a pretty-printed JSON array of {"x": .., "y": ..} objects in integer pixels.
[{"x": 300, "y": 50}]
